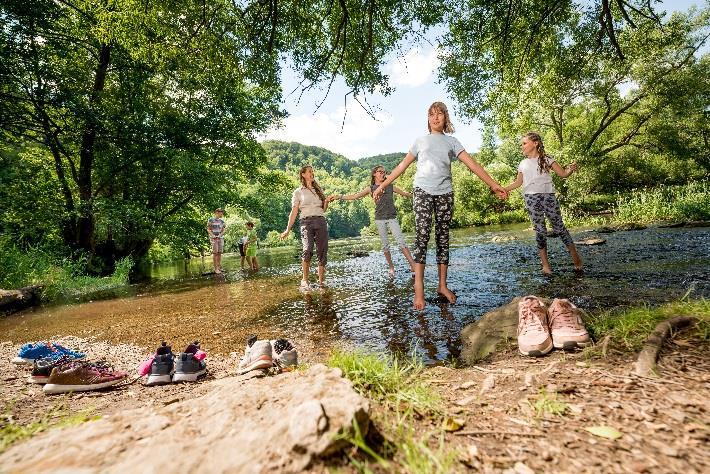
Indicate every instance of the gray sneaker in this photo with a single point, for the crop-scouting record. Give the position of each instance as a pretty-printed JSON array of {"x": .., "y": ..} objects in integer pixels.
[
  {"x": 190, "y": 365},
  {"x": 284, "y": 354},
  {"x": 258, "y": 356}
]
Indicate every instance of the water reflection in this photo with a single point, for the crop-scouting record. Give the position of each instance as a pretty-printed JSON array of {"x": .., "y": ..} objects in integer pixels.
[{"x": 362, "y": 306}]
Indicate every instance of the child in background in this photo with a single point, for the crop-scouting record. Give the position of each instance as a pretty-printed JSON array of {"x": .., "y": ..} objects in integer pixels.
[
  {"x": 215, "y": 229},
  {"x": 433, "y": 194},
  {"x": 250, "y": 246},
  {"x": 385, "y": 214},
  {"x": 539, "y": 196}
]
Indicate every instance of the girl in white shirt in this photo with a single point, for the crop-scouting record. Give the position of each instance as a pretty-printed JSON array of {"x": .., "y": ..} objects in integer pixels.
[
  {"x": 311, "y": 202},
  {"x": 539, "y": 196}
]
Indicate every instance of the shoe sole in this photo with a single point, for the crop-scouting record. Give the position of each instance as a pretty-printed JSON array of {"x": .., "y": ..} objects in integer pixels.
[
  {"x": 537, "y": 352},
  {"x": 52, "y": 388},
  {"x": 22, "y": 361},
  {"x": 570, "y": 345},
  {"x": 257, "y": 364},
  {"x": 37, "y": 379},
  {"x": 158, "y": 380},
  {"x": 183, "y": 377}
]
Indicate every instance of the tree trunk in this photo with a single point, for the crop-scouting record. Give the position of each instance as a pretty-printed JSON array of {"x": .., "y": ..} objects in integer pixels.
[{"x": 86, "y": 223}]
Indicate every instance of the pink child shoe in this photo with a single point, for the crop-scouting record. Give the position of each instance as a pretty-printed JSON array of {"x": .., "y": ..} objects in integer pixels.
[
  {"x": 568, "y": 331},
  {"x": 533, "y": 331}
]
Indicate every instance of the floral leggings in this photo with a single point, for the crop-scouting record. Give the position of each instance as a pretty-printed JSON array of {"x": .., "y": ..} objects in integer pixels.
[
  {"x": 539, "y": 206},
  {"x": 442, "y": 207}
]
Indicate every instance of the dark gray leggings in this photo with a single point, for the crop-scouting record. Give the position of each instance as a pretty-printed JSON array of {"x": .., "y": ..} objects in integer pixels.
[
  {"x": 442, "y": 208},
  {"x": 539, "y": 206},
  {"x": 314, "y": 229}
]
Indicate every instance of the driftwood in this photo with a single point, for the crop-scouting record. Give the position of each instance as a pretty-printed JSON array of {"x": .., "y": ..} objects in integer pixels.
[
  {"x": 646, "y": 362},
  {"x": 15, "y": 300}
]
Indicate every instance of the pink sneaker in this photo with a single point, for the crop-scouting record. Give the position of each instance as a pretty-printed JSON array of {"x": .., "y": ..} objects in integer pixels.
[
  {"x": 568, "y": 331},
  {"x": 533, "y": 331}
]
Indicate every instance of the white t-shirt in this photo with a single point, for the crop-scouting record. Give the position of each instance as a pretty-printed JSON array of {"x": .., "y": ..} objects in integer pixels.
[
  {"x": 535, "y": 182},
  {"x": 308, "y": 202},
  {"x": 434, "y": 154}
]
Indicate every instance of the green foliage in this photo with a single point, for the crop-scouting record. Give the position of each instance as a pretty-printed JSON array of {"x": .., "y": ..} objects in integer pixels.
[
  {"x": 679, "y": 203},
  {"x": 548, "y": 404},
  {"x": 628, "y": 328},
  {"x": 61, "y": 277}
]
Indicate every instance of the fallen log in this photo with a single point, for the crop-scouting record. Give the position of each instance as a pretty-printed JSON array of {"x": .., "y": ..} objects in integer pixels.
[
  {"x": 646, "y": 361},
  {"x": 15, "y": 300}
]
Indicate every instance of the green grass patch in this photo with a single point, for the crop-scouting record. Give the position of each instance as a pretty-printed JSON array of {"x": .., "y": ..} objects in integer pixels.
[
  {"x": 387, "y": 378},
  {"x": 397, "y": 384},
  {"x": 548, "y": 404},
  {"x": 57, "y": 416},
  {"x": 628, "y": 328},
  {"x": 61, "y": 278}
]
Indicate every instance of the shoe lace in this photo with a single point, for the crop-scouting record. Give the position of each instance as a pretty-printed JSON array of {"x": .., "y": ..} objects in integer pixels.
[
  {"x": 529, "y": 321},
  {"x": 564, "y": 317}
]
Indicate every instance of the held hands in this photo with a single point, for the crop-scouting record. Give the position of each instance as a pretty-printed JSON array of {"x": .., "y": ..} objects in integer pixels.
[
  {"x": 377, "y": 194},
  {"x": 572, "y": 168},
  {"x": 284, "y": 234},
  {"x": 499, "y": 191},
  {"x": 332, "y": 197}
]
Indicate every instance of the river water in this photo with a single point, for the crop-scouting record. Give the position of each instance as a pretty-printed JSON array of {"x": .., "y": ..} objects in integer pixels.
[{"x": 363, "y": 307}]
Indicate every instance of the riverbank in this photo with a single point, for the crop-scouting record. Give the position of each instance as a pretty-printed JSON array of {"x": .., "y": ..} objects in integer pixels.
[{"x": 582, "y": 411}]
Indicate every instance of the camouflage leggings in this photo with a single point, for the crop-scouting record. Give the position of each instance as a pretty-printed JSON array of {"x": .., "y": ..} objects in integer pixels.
[
  {"x": 539, "y": 206},
  {"x": 442, "y": 207}
]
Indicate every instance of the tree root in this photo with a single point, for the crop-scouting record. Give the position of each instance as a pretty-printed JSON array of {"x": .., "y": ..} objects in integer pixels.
[{"x": 646, "y": 362}]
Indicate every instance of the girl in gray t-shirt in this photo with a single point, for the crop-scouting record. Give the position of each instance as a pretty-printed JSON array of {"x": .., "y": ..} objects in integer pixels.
[
  {"x": 433, "y": 194},
  {"x": 385, "y": 214}
]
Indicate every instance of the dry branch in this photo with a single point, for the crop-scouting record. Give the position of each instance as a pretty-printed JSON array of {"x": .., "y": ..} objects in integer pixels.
[{"x": 646, "y": 362}]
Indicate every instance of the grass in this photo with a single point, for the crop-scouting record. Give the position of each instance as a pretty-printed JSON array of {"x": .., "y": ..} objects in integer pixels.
[
  {"x": 628, "y": 328},
  {"x": 397, "y": 384},
  {"x": 57, "y": 416},
  {"x": 548, "y": 404},
  {"x": 61, "y": 278}
]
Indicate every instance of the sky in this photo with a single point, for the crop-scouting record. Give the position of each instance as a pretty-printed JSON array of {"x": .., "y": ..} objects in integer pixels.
[{"x": 399, "y": 118}]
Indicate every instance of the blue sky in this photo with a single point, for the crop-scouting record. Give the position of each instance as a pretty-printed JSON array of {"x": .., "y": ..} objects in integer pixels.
[{"x": 399, "y": 117}]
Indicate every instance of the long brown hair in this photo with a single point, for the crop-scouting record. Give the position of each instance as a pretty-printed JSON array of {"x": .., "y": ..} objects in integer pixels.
[
  {"x": 316, "y": 186},
  {"x": 542, "y": 165},
  {"x": 441, "y": 107},
  {"x": 372, "y": 174}
]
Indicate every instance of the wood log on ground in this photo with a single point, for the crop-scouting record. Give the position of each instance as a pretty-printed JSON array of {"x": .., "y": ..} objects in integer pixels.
[
  {"x": 15, "y": 300},
  {"x": 646, "y": 361}
]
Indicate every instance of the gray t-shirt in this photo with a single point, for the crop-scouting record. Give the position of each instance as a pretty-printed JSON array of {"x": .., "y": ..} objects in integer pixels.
[
  {"x": 384, "y": 208},
  {"x": 434, "y": 154}
]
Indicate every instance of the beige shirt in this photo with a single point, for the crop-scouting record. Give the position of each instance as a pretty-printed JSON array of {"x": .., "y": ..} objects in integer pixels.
[{"x": 308, "y": 202}]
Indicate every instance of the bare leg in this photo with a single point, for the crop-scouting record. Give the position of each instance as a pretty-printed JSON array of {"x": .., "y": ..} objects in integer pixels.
[
  {"x": 306, "y": 267},
  {"x": 546, "y": 269},
  {"x": 419, "y": 302},
  {"x": 576, "y": 259},
  {"x": 443, "y": 288},
  {"x": 215, "y": 261},
  {"x": 243, "y": 259},
  {"x": 408, "y": 256},
  {"x": 321, "y": 274},
  {"x": 388, "y": 257},
  {"x": 254, "y": 264}
]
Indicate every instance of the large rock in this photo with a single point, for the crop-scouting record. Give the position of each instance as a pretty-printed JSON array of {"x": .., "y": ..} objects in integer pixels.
[
  {"x": 15, "y": 300},
  {"x": 271, "y": 424},
  {"x": 495, "y": 327}
]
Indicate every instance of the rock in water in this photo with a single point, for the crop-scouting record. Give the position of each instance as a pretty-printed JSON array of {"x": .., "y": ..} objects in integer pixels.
[{"x": 273, "y": 424}]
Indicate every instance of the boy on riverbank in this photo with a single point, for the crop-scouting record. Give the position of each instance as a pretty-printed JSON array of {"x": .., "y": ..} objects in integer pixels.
[{"x": 215, "y": 229}]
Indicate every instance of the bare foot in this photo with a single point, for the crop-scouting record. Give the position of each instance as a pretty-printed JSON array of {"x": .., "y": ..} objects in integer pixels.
[
  {"x": 391, "y": 272},
  {"x": 419, "y": 302},
  {"x": 547, "y": 271},
  {"x": 448, "y": 294},
  {"x": 218, "y": 271}
]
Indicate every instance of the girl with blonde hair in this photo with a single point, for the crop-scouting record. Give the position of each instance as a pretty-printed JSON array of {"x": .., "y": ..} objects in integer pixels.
[{"x": 433, "y": 194}]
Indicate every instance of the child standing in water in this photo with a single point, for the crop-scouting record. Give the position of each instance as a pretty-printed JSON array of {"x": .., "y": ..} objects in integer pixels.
[
  {"x": 385, "y": 214},
  {"x": 216, "y": 228},
  {"x": 539, "y": 196},
  {"x": 433, "y": 194},
  {"x": 250, "y": 246}
]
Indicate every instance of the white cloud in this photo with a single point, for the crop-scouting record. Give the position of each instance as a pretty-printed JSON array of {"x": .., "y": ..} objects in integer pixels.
[
  {"x": 327, "y": 130},
  {"x": 414, "y": 68}
]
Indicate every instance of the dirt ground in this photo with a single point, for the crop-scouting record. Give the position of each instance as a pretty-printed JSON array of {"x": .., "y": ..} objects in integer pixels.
[{"x": 664, "y": 422}]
